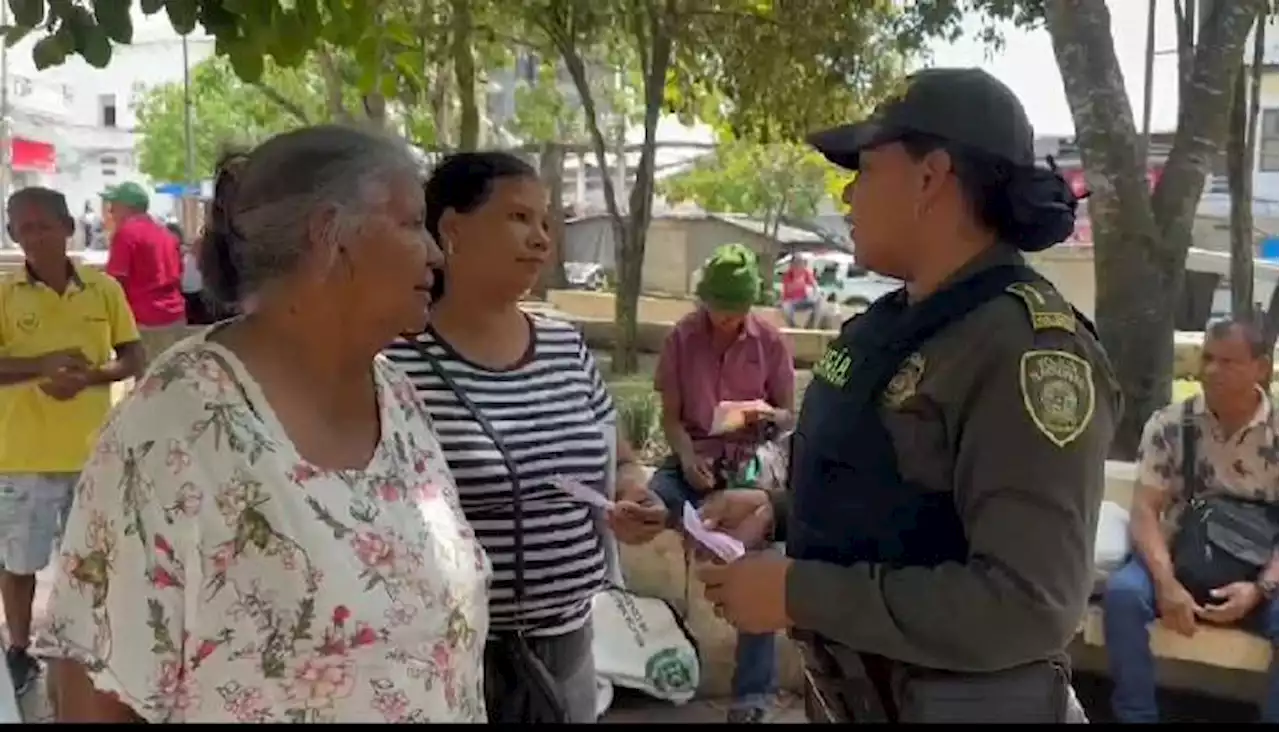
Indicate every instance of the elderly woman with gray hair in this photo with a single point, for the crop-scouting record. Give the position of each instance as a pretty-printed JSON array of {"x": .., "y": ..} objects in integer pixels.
[{"x": 267, "y": 530}]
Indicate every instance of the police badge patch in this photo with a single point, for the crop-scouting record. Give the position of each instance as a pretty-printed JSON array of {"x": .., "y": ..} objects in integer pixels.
[
  {"x": 1058, "y": 394},
  {"x": 904, "y": 383}
]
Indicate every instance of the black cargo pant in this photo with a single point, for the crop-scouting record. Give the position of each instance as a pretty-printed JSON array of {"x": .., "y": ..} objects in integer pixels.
[{"x": 885, "y": 691}]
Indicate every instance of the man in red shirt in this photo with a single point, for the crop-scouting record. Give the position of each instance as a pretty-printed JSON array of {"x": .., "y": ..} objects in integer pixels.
[
  {"x": 799, "y": 290},
  {"x": 145, "y": 258}
]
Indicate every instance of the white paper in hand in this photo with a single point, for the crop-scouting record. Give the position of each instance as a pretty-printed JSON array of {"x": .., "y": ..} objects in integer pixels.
[
  {"x": 579, "y": 493},
  {"x": 732, "y": 416},
  {"x": 727, "y": 548}
]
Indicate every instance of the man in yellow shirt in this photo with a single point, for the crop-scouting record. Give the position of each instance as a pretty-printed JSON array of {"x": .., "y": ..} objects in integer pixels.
[{"x": 66, "y": 334}]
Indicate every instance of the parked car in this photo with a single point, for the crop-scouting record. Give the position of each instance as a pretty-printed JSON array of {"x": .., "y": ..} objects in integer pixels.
[
  {"x": 586, "y": 276},
  {"x": 841, "y": 280}
]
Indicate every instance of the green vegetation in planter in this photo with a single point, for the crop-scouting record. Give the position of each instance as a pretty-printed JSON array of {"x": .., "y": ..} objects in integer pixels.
[{"x": 640, "y": 414}]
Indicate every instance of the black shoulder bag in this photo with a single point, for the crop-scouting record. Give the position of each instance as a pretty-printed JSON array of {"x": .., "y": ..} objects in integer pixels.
[
  {"x": 1219, "y": 539},
  {"x": 518, "y": 687}
]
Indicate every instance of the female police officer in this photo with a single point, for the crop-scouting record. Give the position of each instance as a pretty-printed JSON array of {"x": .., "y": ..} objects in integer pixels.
[{"x": 948, "y": 464}]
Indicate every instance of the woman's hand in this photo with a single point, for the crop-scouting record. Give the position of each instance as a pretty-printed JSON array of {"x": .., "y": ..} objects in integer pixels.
[{"x": 637, "y": 523}]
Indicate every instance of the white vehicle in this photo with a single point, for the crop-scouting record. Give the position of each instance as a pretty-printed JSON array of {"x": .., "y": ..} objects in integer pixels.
[{"x": 840, "y": 279}]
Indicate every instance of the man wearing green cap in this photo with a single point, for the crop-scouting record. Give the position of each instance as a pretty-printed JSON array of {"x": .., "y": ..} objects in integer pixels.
[
  {"x": 146, "y": 259},
  {"x": 722, "y": 353}
]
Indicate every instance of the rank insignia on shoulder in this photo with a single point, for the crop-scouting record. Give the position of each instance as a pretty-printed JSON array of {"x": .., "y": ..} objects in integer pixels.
[
  {"x": 904, "y": 383},
  {"x": 1046, "y": 306},
  {"x": 1058, "y": 394}
]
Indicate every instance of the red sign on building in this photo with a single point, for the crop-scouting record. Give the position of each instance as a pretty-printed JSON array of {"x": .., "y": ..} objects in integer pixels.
[
  {"x": 1083, "y": 235},
  {"x": 31, "y": 156}
]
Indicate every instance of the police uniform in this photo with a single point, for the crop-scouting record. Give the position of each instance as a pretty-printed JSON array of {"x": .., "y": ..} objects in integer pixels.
[{"x": 947, "y": 470}]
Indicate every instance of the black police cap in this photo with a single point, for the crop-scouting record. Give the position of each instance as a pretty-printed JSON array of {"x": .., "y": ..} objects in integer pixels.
[{"x": 968, "y": 107}]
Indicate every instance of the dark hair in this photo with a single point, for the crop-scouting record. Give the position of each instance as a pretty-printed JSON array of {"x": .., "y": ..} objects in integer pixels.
[
  {"x": 463, "y": 182},
  {"x": 1246, "y": 328},
  {"x": 1029, "y": 207},
  {"x": 50, "y": 200},
  {"x": 177, "y": 232},
  {"x": 258, "y": 223}
]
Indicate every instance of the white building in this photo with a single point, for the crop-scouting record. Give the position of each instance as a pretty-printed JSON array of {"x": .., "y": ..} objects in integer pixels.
[{"x": 73, "y": 126}]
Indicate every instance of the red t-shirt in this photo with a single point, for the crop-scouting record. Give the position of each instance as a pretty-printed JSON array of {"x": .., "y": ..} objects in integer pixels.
[
  {"x": 144, "y": 257},
  {"x": 796, "y": 284}
]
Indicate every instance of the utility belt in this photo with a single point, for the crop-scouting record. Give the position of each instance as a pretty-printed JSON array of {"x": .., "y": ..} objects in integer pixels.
[{"x": 842, "y": 686}]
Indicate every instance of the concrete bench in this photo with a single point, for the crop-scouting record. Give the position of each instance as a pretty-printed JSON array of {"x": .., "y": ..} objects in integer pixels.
[{"x": 1223, "y": 648}]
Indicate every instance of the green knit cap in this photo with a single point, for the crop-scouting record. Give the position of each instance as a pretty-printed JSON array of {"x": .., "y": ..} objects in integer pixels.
[{"x": 730, "y": 279}]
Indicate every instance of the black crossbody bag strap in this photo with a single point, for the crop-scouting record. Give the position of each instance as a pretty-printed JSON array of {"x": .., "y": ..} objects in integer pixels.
[{"x": 517, "y": 505}]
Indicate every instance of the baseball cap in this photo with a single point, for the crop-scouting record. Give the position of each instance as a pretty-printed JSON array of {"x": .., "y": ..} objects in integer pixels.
[
  {"x": 130, "y": 194},
  {"x": 968, "y": 107}
]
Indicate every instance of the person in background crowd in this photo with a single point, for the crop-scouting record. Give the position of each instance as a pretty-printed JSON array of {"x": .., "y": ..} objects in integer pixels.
[
  {"x": 66, "y": 335},
  {"x": 198, "y": 309},
  {"x": 722, "y": 352},
  {"x": 267, "y": 531},
  {"x": 144, "y": 257},
  {"x": 799, "y": 291},
  {"x": 549, "y": 417},
  {"x": 1234, "y": 444}
]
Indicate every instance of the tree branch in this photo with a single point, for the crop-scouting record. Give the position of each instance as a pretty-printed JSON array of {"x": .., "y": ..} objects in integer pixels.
[
  {"x": 282, "y": 101},
  {"x": 333, "y": 84}
]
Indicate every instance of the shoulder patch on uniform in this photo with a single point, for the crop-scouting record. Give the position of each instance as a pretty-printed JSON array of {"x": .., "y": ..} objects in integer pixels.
[
  {"x": 1046, "y": 306},
  {"x": 1058, "y": 394},
  {"x": 904, "y": 383}
]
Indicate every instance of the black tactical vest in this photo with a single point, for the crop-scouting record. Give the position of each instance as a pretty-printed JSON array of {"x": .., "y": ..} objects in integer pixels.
[{"x": 849, "y": 502}]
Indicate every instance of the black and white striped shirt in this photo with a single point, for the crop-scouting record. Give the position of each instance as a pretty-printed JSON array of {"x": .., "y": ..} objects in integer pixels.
[{"x": 551, "y": 410}]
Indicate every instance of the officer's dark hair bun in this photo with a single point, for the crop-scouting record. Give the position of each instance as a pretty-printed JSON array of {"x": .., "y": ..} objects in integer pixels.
[
  {"x": 1041, "y": 208},
  {"x": 1030, "y": 207}
]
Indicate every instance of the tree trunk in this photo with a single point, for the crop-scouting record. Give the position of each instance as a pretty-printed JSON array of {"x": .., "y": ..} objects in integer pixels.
[
  {"x": 551, "y": 170},
  {"x": 1240, "y": 185},
  {"x": 440, "y": 102},
  {"x": 1141, "y": 240},
  {"x": 631, "y": 255},
  {"x": 333, "y": 85},
  {"x": 1270, "y": 320},
  {"x": 464, "y": 69}
]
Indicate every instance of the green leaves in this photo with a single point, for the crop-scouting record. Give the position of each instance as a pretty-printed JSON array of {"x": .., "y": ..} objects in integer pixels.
[
  {"x": 769, "y": 181},
  {"x": 27, "y": 13},
  {"x": 48, "y": 52},
  {"x": 183, "y": 14},
  {"x": 113, "y": 18}
]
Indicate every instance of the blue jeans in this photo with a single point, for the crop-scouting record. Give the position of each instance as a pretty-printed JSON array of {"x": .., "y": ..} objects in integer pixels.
[
  {"x": 789, "y": 309},
  {"x": 1128, "y": 606},
  {"x": 755, "y": 673}
]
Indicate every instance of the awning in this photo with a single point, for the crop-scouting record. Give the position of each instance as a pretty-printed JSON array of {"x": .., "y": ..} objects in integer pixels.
[{"x": 31, "y": 156}]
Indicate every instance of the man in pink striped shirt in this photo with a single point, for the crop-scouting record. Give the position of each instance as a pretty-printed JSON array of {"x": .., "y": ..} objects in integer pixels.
[{"x": 722, "y": 352}]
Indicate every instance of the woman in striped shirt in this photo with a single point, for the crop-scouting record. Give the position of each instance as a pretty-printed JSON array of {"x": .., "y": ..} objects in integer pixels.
[{"x": 532, "y": 384}]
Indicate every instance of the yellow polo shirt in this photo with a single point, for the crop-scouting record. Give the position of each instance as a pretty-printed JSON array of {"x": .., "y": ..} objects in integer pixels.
[{"x": 39, "y": 434}]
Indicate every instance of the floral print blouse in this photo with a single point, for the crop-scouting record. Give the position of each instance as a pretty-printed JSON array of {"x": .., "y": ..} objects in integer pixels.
[{"x": 209, "y": 574}]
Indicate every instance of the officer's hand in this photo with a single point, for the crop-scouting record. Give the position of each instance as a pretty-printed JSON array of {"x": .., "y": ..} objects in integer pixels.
[
  {"x": 697, "y": 473},
  {"x": 1177, "y": 608},
  {"x": 744, "y": 514},
  {"x": 751, "y": 593},
  {"x": 1233, "y": 603}
]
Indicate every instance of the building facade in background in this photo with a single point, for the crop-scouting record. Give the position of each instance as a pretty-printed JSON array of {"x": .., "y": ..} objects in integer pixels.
[{"x": 73, "y": 126}]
